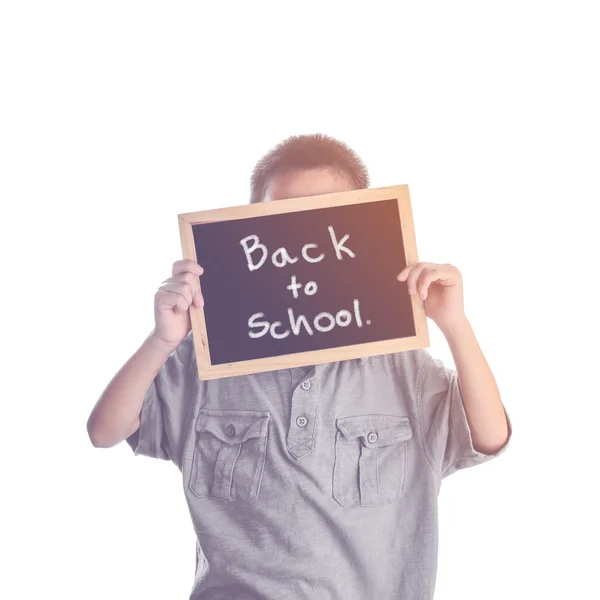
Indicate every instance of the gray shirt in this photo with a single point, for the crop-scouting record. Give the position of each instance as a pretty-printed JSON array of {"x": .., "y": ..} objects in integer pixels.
[{"x": 312, "y": 483}]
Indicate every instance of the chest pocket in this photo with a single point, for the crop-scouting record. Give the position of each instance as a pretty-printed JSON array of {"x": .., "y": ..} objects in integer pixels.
[
  {"x": 229, "y": 454},
  {"x": 370, "y": 459}
]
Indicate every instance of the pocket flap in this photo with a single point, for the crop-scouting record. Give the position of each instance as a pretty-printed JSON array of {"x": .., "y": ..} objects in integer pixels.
[
  {"x": 387, "y": 429},
  {"x": 233, "y": 426}
]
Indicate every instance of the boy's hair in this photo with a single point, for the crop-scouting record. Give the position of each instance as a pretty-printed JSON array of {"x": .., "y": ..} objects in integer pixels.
[{"x": 307, "y": 152}]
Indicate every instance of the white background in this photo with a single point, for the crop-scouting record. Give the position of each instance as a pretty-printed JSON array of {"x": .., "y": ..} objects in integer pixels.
[{"x": 116, "y": 116}]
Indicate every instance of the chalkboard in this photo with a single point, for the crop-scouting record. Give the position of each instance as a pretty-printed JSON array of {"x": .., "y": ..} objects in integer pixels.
[{"x": 303, "y": 281}]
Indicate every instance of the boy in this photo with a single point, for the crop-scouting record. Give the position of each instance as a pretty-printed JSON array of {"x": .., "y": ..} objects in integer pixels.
[{"x": 318, "y": 482}]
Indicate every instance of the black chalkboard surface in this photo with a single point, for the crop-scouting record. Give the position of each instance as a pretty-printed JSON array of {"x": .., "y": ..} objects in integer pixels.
[{"x": 303, "y": 281}]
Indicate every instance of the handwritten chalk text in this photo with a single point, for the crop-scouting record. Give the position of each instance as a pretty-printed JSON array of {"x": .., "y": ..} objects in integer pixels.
[
  {"x": 280, "y": 258},
  {"x": 323, "y": 323},
  {"x": 310, "y": 289}
]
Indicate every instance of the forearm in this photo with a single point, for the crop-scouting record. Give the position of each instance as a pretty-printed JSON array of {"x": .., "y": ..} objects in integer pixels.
[
  {"x": 116, "y": 414},
  {"x": 481, "y": 397}
]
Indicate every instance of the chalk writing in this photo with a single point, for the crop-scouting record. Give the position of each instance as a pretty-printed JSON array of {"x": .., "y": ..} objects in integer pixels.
[{"x": 323, "y": 321}]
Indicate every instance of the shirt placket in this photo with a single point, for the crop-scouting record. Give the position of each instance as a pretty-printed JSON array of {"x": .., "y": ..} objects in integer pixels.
[{"x": 303, "y": 415}]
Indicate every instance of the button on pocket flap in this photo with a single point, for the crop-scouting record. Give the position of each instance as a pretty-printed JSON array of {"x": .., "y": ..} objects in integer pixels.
[
  {"x": 233, "y": 426},
  {"x": 376, "y": 430}
]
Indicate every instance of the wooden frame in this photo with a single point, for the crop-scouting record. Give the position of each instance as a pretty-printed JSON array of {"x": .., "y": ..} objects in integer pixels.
[{"x": 421, "y": 340}]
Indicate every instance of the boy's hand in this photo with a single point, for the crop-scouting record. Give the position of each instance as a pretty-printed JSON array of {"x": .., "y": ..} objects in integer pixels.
[
  {"x": 172, "y": 302},
  {"x": 441, "y": 289}
]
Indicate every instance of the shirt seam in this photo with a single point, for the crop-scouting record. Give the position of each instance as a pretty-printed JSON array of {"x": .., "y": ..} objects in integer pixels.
[
  {"x": 154, "y": 400},
  {"x": 421, "y": 422},
  {"x": 456, "y": 432}
]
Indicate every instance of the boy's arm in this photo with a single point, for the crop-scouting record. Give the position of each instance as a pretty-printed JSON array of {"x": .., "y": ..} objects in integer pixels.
[
  {"x": 480, "y": 394},
  {"x": 440, "y": 287},
  {"x": 116, "y": 415}
]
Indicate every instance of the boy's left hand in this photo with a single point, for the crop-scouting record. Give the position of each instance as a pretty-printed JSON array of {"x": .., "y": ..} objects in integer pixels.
[{"x": 440, "y": 288}]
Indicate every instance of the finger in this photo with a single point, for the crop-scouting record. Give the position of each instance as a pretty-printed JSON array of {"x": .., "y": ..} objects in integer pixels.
[
  {"x": 167, "y": 300},
  {"x": 430, "y": 275},
  {"x": 167, "y": 292},
  {"x": 193, "y": 281},
  {"x": 189, "y": 278},
  {"x": 404, "y": 273},
  {"x": 181, "y": 266},
  {"x": 198, "y": 300},
  {"x": 181, "y": 307},
  {"x": 185, "y": 264},
  {"x": 413, "y": 277},
  {"x": 427, "y": 277}
]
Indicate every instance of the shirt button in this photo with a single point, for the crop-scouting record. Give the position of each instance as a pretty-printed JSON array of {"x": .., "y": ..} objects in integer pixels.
[
  {"x": 301, "y": 421},
  {"x": 230, "y": 430},
  {"x": 372, "y": 437},
  {"x": 306, "y": 385}
]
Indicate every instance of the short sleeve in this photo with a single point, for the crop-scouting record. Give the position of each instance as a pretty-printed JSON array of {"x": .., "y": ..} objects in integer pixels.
[
  {"x": 167, "y": 407},
  {"x": 444, "y": 420}
]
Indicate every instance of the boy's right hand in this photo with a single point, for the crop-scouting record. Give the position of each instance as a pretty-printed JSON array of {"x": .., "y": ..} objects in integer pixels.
[{"x": 172, "y": 302}]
